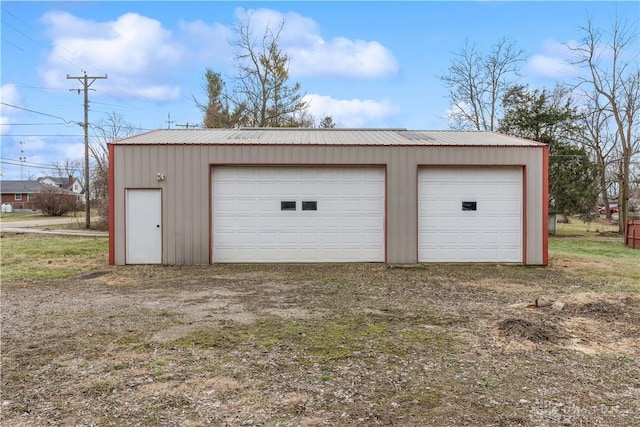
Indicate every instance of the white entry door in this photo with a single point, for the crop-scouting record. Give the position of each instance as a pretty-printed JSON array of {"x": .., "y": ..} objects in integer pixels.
[
  {"x": 298, "y": 214},
  {"x": 144, "y": 226},
  {"x": 470, "y": 214}
]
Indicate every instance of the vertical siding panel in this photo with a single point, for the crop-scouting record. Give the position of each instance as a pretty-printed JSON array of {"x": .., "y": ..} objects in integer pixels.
[
  {"x": 141, "y": 167},
  {"x": 179, "y": 199},
  {"x": 170, "y": 204},
  {"x": 535, "y": 208},
  {"x": 401, "y": 206},
  {"x": 120, "y": 183},
  {"x": 201, "y": 248}
]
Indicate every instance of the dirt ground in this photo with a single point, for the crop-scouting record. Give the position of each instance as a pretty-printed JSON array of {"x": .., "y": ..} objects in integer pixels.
[{"x": 320, "y": 345}]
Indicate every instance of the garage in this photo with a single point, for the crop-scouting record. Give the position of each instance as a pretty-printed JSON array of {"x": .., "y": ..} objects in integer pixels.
[
  {"x": 298, "y": 214},
  {"x": 297, "y": 195},
  {"x": 470, "y": 214}
]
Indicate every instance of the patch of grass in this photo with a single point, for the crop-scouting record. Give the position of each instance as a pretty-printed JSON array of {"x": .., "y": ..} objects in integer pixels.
[
  {"x": 602, "y": 249},
  {"x": 21, "y": 216},
  {"x": 103, "y": 387},
  {"x": 323, "y": 342},
  {"x": 46, "y": 257},
  {"x": 577, "y": 226},
  {"x": 221, "y": 338},
  {"x": 597, "y": 259}
]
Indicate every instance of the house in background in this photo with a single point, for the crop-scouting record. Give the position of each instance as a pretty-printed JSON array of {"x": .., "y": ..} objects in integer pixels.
[
  {"x": 71, "y": 183},
  {"x": 20, "y": 194},
  {"x": 327, "y": 195}
]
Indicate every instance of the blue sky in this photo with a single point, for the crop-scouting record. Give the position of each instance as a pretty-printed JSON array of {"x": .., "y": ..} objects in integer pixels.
[{"x": 366, "y": 64}]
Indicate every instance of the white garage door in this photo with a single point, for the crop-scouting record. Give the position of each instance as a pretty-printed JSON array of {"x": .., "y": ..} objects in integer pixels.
[
  {"x": 298, "y": 214},
  {"x": 470, "y": 215}
]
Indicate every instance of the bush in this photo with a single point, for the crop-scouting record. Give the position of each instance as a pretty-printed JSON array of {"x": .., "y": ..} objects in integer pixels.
[{"x": 56, "y": 202}]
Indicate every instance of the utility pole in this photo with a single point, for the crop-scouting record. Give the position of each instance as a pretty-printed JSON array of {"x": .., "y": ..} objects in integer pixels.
[
  {"x": 169, "y": 121},
  {"x": 86, "y": 84}
]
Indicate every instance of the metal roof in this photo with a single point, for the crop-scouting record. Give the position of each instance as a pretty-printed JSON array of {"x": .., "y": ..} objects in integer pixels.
[{"x": 310, "y": 136}]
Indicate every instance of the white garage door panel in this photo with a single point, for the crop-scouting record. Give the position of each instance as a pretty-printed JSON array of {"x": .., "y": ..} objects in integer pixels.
[
  {"x": 492, "y": 233},
  {"x": 249, "y": 225}
]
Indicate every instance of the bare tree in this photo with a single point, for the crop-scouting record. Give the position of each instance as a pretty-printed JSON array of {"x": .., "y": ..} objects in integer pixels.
[
  {"x": 478, "y": 82},
  {"x": 613, "y": 75},
  {"x": 68, "y": 168},
  {"x": 262, "y": 95},
  {"x": 55, "y": 201},
  {"x": 112, "y": 128},
  {"x": 596, "y": 135}
]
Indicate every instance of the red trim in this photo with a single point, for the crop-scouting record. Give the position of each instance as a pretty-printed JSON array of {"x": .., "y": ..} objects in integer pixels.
[
  {"x": 253, "y": 144},
  {"x": 545, "y": 205},
  {"x": 111, "y": 209},
  {"x": 386, "y": 216},
  {"x": 524, "y": 215},
  {"x": 303, "y": 165},
  {"x": 417, "y": 199},
  {"x": 210, "y": 213}
]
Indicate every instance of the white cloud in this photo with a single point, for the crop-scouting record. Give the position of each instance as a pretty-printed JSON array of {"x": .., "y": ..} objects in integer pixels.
[
  {"x": 34, "y": 144},
  {"x": 9, "y": 95},
  {"x": 209, "y": 43},
  {"x": 350, "y": 113},
  {"x": 132, "y": 50},
  {"x": 552, "y": 62},
  {"x": 343, "y": 58},
  {"x": 71, "y": 151},
  {"x": 139, "y": 55},
  {"x": 311, "y": 55}
]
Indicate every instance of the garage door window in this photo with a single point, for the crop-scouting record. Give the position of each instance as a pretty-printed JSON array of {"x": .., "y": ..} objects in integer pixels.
[
  {"x": 469, "y": 206},
  {"x": 310, "y": 206},
  {"x": 286, "y": 205}
]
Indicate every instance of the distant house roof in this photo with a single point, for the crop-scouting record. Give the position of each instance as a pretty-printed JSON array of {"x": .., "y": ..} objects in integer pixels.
[
  {"x": 22, "y": 186},
  {"x": 62, "y": 181},
  {"x": 312, "y": 136}
]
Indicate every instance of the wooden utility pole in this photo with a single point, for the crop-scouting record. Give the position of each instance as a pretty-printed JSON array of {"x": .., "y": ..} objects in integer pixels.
[{"x": 86, "y": 83}]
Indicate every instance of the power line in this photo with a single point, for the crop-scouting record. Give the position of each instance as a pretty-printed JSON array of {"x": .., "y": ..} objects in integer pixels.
[
  {"x": 31, "y": 164},
  {"x": 38, "y": 112},
  {"x": 54, "y": 52},
  {"x": 24, "y": 135},
  {"x": 33, "y": 124},
  {"x": 26, "y": 165}
]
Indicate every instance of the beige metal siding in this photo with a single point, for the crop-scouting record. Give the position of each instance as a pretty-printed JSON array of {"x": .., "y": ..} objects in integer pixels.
[{"x": 186, "y": 194}]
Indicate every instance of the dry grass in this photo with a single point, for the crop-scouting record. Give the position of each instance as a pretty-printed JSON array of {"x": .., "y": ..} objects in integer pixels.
[
  {"x": 323, "y": 345},
  {"x": 35, "y": 256}
]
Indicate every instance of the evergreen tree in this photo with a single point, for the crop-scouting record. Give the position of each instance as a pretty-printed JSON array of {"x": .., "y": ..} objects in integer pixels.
[{"x": 549, "y": 117}]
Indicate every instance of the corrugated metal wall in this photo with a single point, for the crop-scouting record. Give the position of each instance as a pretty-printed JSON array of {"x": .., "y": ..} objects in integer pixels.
[{"x": 186, "y": 190}]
